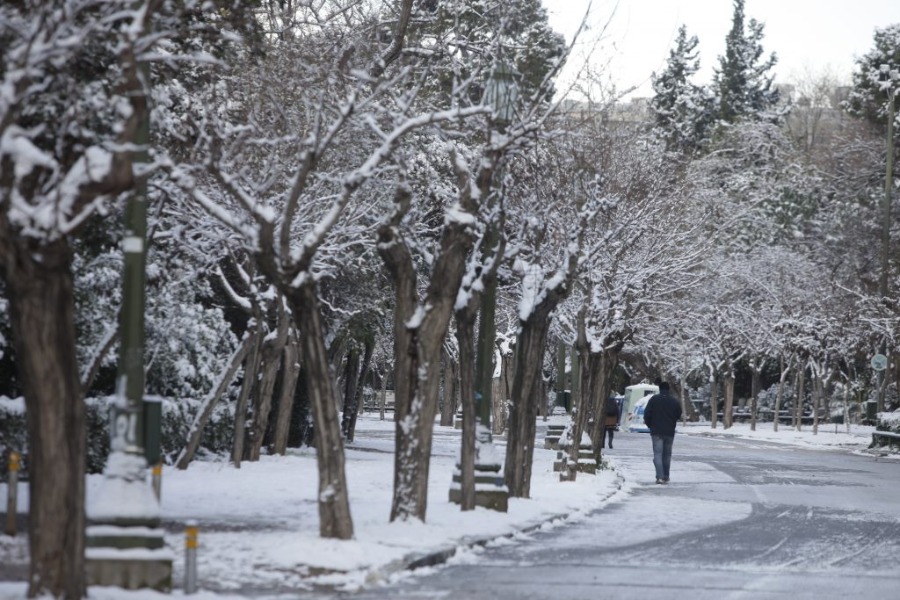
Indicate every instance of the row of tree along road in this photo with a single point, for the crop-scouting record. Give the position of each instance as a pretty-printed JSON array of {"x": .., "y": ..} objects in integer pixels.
[{"x": 321, "y": 198}]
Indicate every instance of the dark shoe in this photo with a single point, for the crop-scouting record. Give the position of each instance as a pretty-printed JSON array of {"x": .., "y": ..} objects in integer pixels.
[
  {"x": 610, "y": 446},
  {"x": 659, "y": 481},
  {"x": 664, "y": 481}
]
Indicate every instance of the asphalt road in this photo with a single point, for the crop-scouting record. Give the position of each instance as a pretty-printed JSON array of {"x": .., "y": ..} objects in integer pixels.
[{"x": 740, "y": 519}]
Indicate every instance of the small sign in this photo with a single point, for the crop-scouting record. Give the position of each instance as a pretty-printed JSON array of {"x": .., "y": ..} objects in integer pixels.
[{"x": 879, "y": 362}]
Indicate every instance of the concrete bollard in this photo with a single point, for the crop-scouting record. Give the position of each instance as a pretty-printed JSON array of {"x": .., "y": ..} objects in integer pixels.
[
  {"x": 156, "y": 479},
  {"x": 11, "y": 494},
  {"x": 190, "y": 557}
]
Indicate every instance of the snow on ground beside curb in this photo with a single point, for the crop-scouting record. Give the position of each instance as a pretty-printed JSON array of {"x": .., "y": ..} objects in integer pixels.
[
  {"x": 259, "y": 526},
  {"x": 828, "y": 436}
]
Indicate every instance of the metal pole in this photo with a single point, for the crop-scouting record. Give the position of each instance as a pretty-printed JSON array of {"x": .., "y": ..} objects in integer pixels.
[
  {"x": 190, "y": 557},
  {"x": 886, "y": 217},
  {"x": 13, "y": 489},
  {"x": 484, "y": 364},
  {"x": 886, "y": 232}
]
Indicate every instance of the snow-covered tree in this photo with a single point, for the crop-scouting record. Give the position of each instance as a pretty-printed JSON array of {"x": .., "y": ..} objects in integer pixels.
[
  {"x": 742, "y": 81},
  {"x": 681, "y": 109},
  {"x": 71, "y": 115},
  {"x": 877, "y": 78}
]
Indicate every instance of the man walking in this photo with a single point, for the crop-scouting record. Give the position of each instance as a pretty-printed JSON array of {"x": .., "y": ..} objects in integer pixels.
[{"x": 661, "y": 416}]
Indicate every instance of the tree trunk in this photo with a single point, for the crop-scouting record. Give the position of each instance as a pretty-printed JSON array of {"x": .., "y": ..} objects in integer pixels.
[
  {"x": 561, "y": 352},
  {"x": 526, "y": 397},
  {"x": 348, "y": 424},
  {"x": 779, "y": 398},
  {"x": 368, "y": 351},
  {"x": 351, "y": 380},
  {"x": 465, "y": 337},
  {"x": 271, "y": 357},
  {"x": 817, "y": 401},
  {"x": 587, "y": 373},
  {"x": 251, "y": 373},
  {"x": 290, "y": 372},
  {"x": 754, "y": 393},
  {"x": 419, "y": 331},
  {"x": 381, "y": 404},
  {"x": 801, "y": 385},
  {"x": 609, "y": 359},
  {"x": 847, "y": 405},
  {"x": 713, "y": 398},
  {"x": 451, "y": 377},
  {"x": 334, "y": 506},
  {"x": 728, "y": 410},
  {"x": 209, "y": 403},
  {"x": 502, "y": 393},
  {"x": 41, "y": 302}
]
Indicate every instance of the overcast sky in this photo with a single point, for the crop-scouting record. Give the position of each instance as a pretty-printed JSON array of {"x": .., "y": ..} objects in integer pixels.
[{"x": 806, "y": 35}]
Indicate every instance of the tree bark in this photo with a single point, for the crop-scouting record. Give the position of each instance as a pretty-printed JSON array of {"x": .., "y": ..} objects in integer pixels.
[
  {"x": 451, "y": 376},
  {"x": 270, "y": 361},
  {"x": 354, "y": 383},
  {"x": 209, "y": 403},
  {"x": 818, "y": 397},
  {"x": 351, "y": 377},
  {"x": 779, "y": 398},
  {"x": 609, "y": 360},
  {"x": 251, "y": 369},
  {"x": 465, "y": 337},
  {"x": 728, "y": 410},
  {"x": 754, "y": 391},
  {"x": 526, "y": 392},
  {"x": 383, "y": 401},
  {"x": 503, "y": 391},
  {"x": 41, "y": 302},
  {"x": 798, "y": 408},
  {"x": 290, "y": 372},
  {"x": 419, "y": 334},
  {"x": 334, "y": 507}
]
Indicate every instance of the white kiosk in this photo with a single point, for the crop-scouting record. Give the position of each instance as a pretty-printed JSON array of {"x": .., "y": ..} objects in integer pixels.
[{"x": 631, "y": 406}]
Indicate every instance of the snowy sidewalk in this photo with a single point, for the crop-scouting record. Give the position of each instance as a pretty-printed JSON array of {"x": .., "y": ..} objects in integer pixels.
[
  {"x": 259, "y": 524},
  {"x": 829, "y": 436}
]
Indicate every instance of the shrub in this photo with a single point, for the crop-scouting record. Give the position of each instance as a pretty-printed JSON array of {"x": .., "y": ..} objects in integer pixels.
[{"x": 177, "y": 416}]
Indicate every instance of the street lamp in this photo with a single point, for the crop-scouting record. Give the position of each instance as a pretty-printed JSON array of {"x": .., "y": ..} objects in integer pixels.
[
  {"x": 891, "y": 80},
  {"x": 501, "y": 94},
  {"x": 125, "y": 545}
]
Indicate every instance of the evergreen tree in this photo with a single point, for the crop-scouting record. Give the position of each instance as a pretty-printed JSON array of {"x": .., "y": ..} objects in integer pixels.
[
  {"x": 877, "y": 75},
  {"x": 742, "y": 81},
  {"x": 681, "y": 109},
  {"x": 473, "y": 33}
]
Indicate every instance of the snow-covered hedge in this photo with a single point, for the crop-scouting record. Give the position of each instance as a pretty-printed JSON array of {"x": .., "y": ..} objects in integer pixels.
[
  {"x": 888, "y": 422},
  {"x": 176, "y": 421}
]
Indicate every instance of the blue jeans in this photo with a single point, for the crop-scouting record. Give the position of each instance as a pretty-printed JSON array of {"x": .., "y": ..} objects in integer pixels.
[{"x": 662, "y": 454}]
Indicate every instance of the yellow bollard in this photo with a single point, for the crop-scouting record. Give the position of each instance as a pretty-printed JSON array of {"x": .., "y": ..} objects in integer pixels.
[
  {"x": 11, "y": 494},
  {"x": 156, "y": 479},
  {"x": 190, "y": 557}
]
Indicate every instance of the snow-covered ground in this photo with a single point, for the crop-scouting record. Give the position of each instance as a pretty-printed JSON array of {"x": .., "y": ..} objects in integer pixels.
[
  {"x": 259, "y": 524},
  {"x": 828, "y": 436}
]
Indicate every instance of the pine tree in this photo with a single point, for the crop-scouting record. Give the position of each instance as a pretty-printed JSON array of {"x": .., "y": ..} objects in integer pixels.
[
  {"x": 877, "y": 75},
  {"x": 742, "y": 81},
  {"x": 681, "y": 109},
  {"x": 472, "y": 33}
]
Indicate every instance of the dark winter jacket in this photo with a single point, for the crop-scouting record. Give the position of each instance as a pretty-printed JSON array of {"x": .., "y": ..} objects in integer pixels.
[
  {"x": 611, "y": 418},
  {"x": 662, "y": 413}
]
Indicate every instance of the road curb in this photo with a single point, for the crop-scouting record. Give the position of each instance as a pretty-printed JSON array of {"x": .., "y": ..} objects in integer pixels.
[{"x": 437, "y": 556}]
